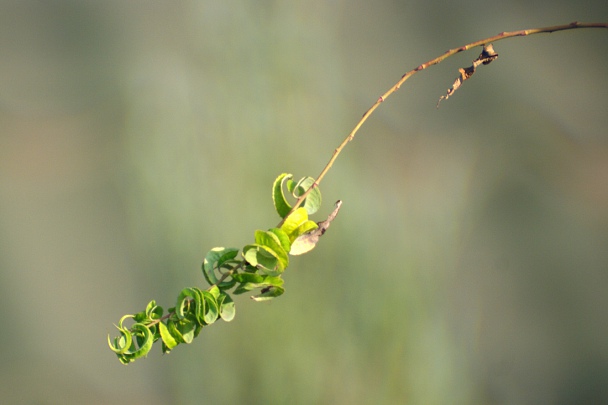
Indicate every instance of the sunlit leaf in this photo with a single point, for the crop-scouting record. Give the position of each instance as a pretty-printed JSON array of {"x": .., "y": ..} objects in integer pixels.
[
  {"x": 293, "y": 221},
  {"x": 215, "y": 291},
  {"x": 169, "y": 341},
  {"x": 282, "y": 237},
  {"x": 174, "y": 331},
  {"x": 305, "y": 228},
  {"x": 271, "y": 241}
]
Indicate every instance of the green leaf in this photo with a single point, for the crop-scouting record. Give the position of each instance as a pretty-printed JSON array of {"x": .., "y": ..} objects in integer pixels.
[
  {"x": 271, "y": 241},
  {"x": 211, "y": 308},
  {"x": 174, "y": 331},
  {"x": 280, "y": 202},
  {"x": 295, "y": 220},
  {"x": 227, "y": 307},
  {"x": 268, "y": 293},
  {"x": 272, "y": 281},
  {"x": 312, "y": 203},
  {"x": 248, "y": 278},
  {"x": 251, "y": 283},
  {"x": 153, "y": 311},
  {"x": 197, "y": 329},
  {"x": 190, "y": 300},
  {"x": 121, "y": 343},
  {"x": 168, "y": 340},
  {"x": 184, "y": 330},
  {"x": 215, "y": 291},
  {"x": 263, "y": 258},
  {"x": 305, "y": 227},
  {"x": 187, "y": 331},
  {"x": 141, "y": 316},
  {"x": 145, "y": 339},
  {"x": 124, "y": 341},
  {"x": 218, "y": 259},
  {"x": 282, "y": 237},
  {"x": 245, "y": 287}
]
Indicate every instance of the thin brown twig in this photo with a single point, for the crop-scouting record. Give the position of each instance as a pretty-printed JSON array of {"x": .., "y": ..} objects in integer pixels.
[{"x": 447, "y": 54}]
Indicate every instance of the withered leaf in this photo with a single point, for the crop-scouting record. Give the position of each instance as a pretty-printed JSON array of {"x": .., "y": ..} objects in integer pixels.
[
  {"x": 486, "y": 56},
  {"x": 306, "y": 243}
]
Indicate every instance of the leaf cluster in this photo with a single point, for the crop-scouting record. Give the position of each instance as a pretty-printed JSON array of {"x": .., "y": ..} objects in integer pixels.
[{"x": 259, "y": 267}]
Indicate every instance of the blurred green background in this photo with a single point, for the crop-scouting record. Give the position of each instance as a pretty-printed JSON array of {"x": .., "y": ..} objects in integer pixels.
[{"x": 469, "y": 262}]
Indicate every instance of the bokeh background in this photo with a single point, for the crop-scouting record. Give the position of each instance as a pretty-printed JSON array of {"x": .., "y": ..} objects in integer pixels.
[{"x": 469, "y": 262}]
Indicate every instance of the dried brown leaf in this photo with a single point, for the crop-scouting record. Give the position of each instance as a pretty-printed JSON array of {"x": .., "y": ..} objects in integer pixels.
[{"x": 486, "y": 56}]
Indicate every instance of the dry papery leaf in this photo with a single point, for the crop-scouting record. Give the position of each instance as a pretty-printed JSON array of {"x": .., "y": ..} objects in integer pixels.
[{"x": 485, "y": 57}]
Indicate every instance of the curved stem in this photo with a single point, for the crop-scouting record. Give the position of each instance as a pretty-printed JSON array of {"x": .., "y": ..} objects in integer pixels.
[{"x": 447, "y": 54}]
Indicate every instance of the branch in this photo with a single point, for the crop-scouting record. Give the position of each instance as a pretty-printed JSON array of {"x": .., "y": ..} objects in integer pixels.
[
  {"x": 263, "y": 262},
  {"x": 447, "y": 54}
]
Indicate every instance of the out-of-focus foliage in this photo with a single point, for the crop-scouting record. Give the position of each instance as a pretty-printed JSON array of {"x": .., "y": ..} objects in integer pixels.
[{"x": 467, "y": 266}]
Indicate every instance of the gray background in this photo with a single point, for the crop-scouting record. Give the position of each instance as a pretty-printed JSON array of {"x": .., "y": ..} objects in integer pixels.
[{"x": 468, "y": 264}]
